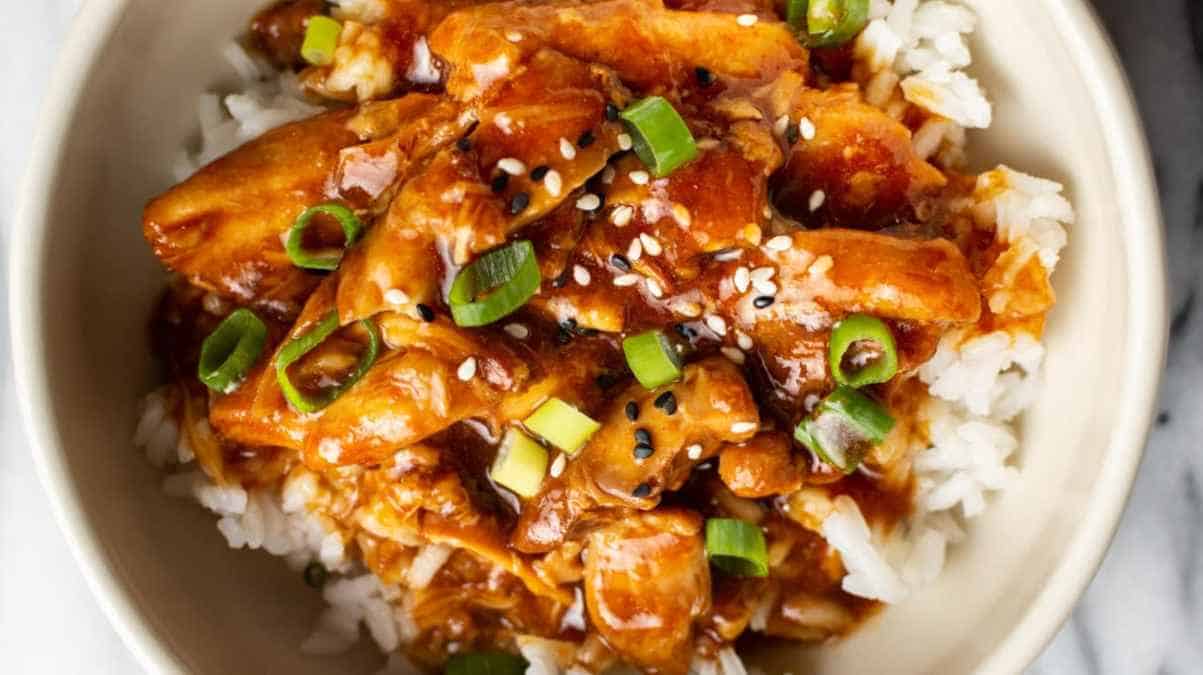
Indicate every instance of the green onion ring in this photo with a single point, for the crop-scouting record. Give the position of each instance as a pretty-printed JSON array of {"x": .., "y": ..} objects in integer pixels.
[
  {"x": 321, "y": 39},
  {"x": 827, "y": 23},
  {"x": 844, "y": 427},
  {"x": 661, "y": 138},
  {"x": 320, "y": 260},
  {"x": 231, "y": 350},
  {"x": 652, "y": 359},
  {"x": 495, "y": 285},
  {"x": 862, "y": 328},
  {"x": 302, "y": 344},
  {"x": 736, "y": 547},
  {"x": 485, "y": 663}
]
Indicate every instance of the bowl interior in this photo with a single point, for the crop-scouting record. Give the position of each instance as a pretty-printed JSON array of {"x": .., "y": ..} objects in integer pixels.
[{"x": 187, "y": 602}]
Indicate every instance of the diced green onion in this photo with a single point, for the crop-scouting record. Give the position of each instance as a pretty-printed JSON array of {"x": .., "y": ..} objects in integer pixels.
[
  {"x": 827, "y": 23},
  {"x": 321, "y": 39},
  {"x": 562, "y": 425},
  {"x": 652, "y": 359},
  {"x": 231, "y": 350},
  {"x": 661, "y": 138},
  {"x": 520, "y": 465},
  {"x": 858, "y": 338},
  {"x": 301, "y": 345},
  {"x": 485, "y": 663},
  {"x": 498, "y": 283},
  {"x": 844, "y": 427},
  {"x": 322, "y": 260},
  {"x": 736, "y": 547}
]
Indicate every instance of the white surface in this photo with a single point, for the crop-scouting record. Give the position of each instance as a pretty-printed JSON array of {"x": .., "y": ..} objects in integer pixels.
[{"x": 49, "y": 622}]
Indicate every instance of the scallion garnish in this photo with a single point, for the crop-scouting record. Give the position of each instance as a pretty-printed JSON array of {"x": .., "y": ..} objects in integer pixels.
[
  {"x": 827, "y": 23},
  {"x": 562, "y": 425},
  {"x": 661, "y": 138},
  {"x": 736, "y": 547},
  {"x": 862, "y": 351},
  {"x": 326, "y": 260},
  {"x": 652, "y": 359},
  {"x": 321, "y": 39},
  {"x": 498, "y": 283},
  {"x": 520, "y": 465},
  {"x": 301, "y": 345},
  {"x": 844, "y": 427},
  {"x": 231, "y": 350},
  {"x": 485, "y": 663}
]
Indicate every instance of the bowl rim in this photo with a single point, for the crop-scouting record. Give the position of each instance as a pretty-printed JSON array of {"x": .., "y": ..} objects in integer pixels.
[{"x": 1096, "y": 58}]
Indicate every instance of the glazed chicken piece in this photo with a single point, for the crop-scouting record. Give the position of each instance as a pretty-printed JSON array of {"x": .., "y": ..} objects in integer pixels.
[
  {"x": 761, "y": 467},
  {"x": 646, "y": 581}
]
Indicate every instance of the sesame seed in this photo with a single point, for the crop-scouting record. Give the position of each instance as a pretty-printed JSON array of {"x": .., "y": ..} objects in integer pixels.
[
  {"x": 639, "y": 177},
  {"x": 763, "y": 274},
  {"x": 694, "y": 452},
  {"x": 517, "y": 330},
  {"x": 743, "y": 427},
  {"x": 620, "y": 261},
  {"x": 651, "y": 245},
  {"x": 622, "y": 215},
  {"x": 741, "y": 279},
  {"x": 634, "y": 250},
  {"x": 716, "y": 323},
  {"x": 561, "y": 280},
  {"x": 467, "y": 369},
  {"x": 519, "y": 202},
  {"x": 588, "y": 202},
  {"x": 728, "y": 255},
  {"x": 681, "y": 215},
  {"x": 643, "y": 436},
  {"x": 611, "y": 112},
  {"x": 626, "y": 280},
  {"x": 464, "y": 144},
  {"x": 666, "y": 402},
  {"x": 632, "y": 410},
  {"x": 779, "y": 243},
  {"x": 499, "y": 182},
  {"x": 752, "y": 233},
  {"x": 643, "y": 451},
  {"x": 763, "y": 301},
  {"x": 395, "y": 296},
  {"x": 765, "y": 287},
  {"x": 624, "y": 142},
  {"x": 742, "y": 339},
  {"x": 502, "y": 121},
  {"x": 707, "y": 143},
  {"x": 513, "y": 36},
  {"x": 607, "y": 175},
  {"x": 690, "y": 309},
  {"x": 705, "y": 77},
  {"x": 655, "y": 288},
  {"x": 567, "y": 151},
  {"x": 511, "y": 166},
  {"x": 642, "y": 490},
  {"x": 539, "y": 172},
  {"x": 806, "y": 128},
  {"x": 553, "y": 183},
  {"x": 557, "y": 466},
  {"x": 747, "y": 19},
  {"x": 581, "y": 275},
  {"x": 816, "y": 199},
  {"x": 425, "y": 312},
  {"x": 780, "y": 125},
  {"x": 821, "y": 266},
  {"x": 735, "y": 356},
  {"x": 586, "y": 139},
  {"x": 791, "y": 135},
  {"x": 809, "y": 403},
  {"x": 767, "y": 212}
]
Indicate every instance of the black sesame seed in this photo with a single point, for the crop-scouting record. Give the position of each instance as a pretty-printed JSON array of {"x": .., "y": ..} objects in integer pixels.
[
  {"x": 563, "y": 337},
  {"x": 499, "y": 182},
  {"x": 620, "y": 261},
  {"x": 425, "y": 312},
  {"x": 666, "y": 402},
  {"x": 642, "y": 490},
  {"x": 464, "y": 144},
  {"x": 763, "y": 301},
  {"x": 607, "y": 380},
  {"x": 791, "y": 134},
  {"x": 611, "y": 112},
  {"x": 643, "y": 436},
  {"x": 585, "y": 140},
  {"x": 539, "y": 172},
  {"x": 561, "y": 280},
  {"x": 643, "y": 451},
  {"x": 632, "y": 410},
  {"x": 315, "y": 574},
  {"x": 519, "y": 202},
  {"x": 568, "y": 324},
  {"x": 685, "y": 331},
  {"x": 587, "y": 332},
  {"x": 705, "y": 77}
]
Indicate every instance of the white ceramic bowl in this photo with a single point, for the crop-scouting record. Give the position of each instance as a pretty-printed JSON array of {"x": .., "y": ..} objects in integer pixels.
[{"x": 83, "y": 282}]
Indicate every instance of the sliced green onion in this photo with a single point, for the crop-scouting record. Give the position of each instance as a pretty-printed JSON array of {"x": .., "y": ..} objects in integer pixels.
[
  {"x": 301, "y": 345},
  {"x": 661, "y": 138},
  {"x": 562, "y": 425},
  {"x": 844, "y": 427},
  {"x": 485, "y": 663},
  {"x": 321, "y": 39},
  {"x": 322, "y": 260},
  {"x": 231, "y": 350},
  {"x": 826, "y": 23},
  {"x": 520, "y": 465},
  {"x": 498, "y": 283},
  {"x": 862, "y": 351},
  {"x": 652, "y": 359},
  {"x": 736, "y": 547}
]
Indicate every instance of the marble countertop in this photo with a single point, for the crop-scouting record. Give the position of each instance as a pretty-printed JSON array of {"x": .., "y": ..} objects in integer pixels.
[{"x": 1142, "y": 614}]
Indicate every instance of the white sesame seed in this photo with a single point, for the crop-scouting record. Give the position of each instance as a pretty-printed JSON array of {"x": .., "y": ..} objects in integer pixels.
[
  {"x": 763, "y": 274},
  {"x": 681, "y": 215},
  {"x": 624, "y": 142},
  {"x": 765, "y": 287},
  {"x": 557, "y": 466},
  {"x": 650, "y": 244},
  {"x": 608, "y": 174},
  {"x": 781, "y": 242},
  {"x": 809, "y": 403},
  {"x": 517, "y": 330},
  {"x": 767, "y": 212},
  {"x": 690, "y": 309},
  {"x": 588, "y": 202},
  {"x": 512, "y": 166},
  {"x": 634, "y": 250},
  {"x": 502, "y": 121},
  {"x": 467, "y": 369},
  {"x": 513, "y": 36},
  {"x": 747, "y": 19},
  {"x": 745, "y": 343},
  {"x": 743, "y": 427},
  {"x": 752, "y": 233},
  {"x": 626, "y": 280},
  {"x": 639, "y": 177},
  {"x": 655, "y": 288},
  {"x": 820, "y": 267},
  {"x": 694, "y": 451},
  {"x": 733, "y": 355},
  {"x": 395, "y": 296},
  {"x": 707, "y": 143},
  {"x": 622, "y": 215},
  {"x": 816, "y": 199},
  {"x": 716, "y": 323},
  {"x": 729, "y": 255},
  {"x": 806, "y": 129},
  {"x": 741, "y": 279},
  {"x": 581, "y": 275},
  {"x": 780, "y": 125},
  {"x": 553, "y": 183},
  {"x": 567, "y": 149}
]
